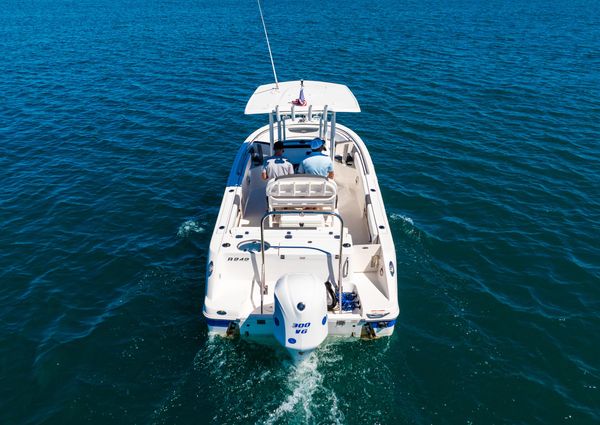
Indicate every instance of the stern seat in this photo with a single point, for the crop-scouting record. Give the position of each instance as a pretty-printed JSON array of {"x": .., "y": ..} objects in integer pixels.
[{"x": 301, "y": 192}]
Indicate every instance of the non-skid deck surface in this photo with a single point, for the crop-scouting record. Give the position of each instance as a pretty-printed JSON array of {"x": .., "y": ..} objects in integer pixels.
[
  {"x": 348, "y": 206},
  {"x": 348, "y": 203},
  {"x": 256, "y": 207}
]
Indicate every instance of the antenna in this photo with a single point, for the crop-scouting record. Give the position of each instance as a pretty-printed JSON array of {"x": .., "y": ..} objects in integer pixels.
[{"x": 268, "y": 44}]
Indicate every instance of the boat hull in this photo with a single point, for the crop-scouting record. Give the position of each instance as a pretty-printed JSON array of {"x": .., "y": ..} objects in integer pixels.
[
  {"x": 335, "y": 230},
  {"x": 253, "y": 328}
]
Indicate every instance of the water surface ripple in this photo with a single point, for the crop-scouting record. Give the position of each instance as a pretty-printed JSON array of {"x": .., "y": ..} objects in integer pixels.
[{"x": 119, "y": 122}]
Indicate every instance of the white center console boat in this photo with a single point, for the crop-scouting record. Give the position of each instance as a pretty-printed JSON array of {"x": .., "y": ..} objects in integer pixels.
[{"x": 302, "y": 257}]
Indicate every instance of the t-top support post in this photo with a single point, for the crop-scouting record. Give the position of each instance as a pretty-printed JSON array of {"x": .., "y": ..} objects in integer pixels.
[
  {"x": 332, "y": 142},
  {"x": 271, "y": 133}
]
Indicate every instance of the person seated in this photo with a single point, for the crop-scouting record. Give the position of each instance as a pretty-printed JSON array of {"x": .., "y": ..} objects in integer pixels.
[
  {"x": 277, "y": 165},
  {"x": 317, "y": 162}
]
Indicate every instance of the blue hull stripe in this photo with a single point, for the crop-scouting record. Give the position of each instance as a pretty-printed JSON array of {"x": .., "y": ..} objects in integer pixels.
[
  {"x": 217, "y": 322},
  {"x": 388, "y": 324}
]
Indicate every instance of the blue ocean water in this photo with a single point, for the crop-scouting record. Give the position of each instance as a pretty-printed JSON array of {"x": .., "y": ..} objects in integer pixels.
[{"x": 119, "y": 121}]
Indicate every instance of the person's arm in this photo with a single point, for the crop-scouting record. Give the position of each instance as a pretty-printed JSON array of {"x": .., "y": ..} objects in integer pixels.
[
  {"x": 264, "y": 170},
  {"x": 300, "y": 169},
  {"x": 330, "y": 171}
]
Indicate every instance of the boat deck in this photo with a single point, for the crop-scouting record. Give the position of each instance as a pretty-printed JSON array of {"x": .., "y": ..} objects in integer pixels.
[{"x": 349, "y": 202}]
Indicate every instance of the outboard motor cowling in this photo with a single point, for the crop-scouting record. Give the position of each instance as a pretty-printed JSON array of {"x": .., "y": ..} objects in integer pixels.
[{"x": 300, "y": 318}]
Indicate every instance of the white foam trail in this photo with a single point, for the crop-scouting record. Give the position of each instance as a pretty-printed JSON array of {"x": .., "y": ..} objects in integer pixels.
[
  {"x": 304, "y": 380},
  {"x": 402, "y": 217},
  {"x": 189, "y": 227},
  {"x": 335, "y": 414},
  {"x": 407, "y": 225},
  {"x": 301, "y": 396},
  {"x": 308, "y": 397}
]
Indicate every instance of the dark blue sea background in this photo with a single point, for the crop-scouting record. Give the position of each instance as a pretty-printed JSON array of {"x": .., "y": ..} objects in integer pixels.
[{"x": 119, "y": 121}]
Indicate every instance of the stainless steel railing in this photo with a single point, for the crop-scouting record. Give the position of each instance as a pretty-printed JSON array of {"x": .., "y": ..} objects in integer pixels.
[{"x": 262, "y": 249}]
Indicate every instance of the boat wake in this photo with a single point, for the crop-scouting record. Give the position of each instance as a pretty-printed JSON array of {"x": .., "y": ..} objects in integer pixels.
[
  {"x": 306, "y": 395},
  {"x": 304, "y": 380},
  {"x": 190, "y": 227},
  {"x": 402, "y": 218},
  {"x": 281, "y": 391},
  {"x": 407, "y": 226}
]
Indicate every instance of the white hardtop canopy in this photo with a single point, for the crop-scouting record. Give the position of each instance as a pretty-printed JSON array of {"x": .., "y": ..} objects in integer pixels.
[{"x": 319, "y": 96}]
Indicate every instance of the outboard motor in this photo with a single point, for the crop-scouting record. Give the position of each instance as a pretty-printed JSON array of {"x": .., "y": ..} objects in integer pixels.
[{"x": 300, "y": 319}]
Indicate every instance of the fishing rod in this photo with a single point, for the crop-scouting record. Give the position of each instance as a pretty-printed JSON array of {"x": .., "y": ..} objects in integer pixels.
[{"x": 268, "y": 44}]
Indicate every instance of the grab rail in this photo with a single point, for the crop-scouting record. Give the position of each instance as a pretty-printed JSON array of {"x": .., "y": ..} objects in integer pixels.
[{"x": 262, "y": 248}]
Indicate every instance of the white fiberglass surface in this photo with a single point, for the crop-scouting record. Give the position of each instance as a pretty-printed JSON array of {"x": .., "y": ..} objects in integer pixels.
[
  {"x": 318, "y": 94},
  {"x": 350, "y": 201}
]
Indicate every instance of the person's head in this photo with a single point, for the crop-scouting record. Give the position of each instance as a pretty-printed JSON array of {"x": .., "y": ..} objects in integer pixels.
[
  {"x": 317, "y": 145},
  {"x": 278, "y": 147}
]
